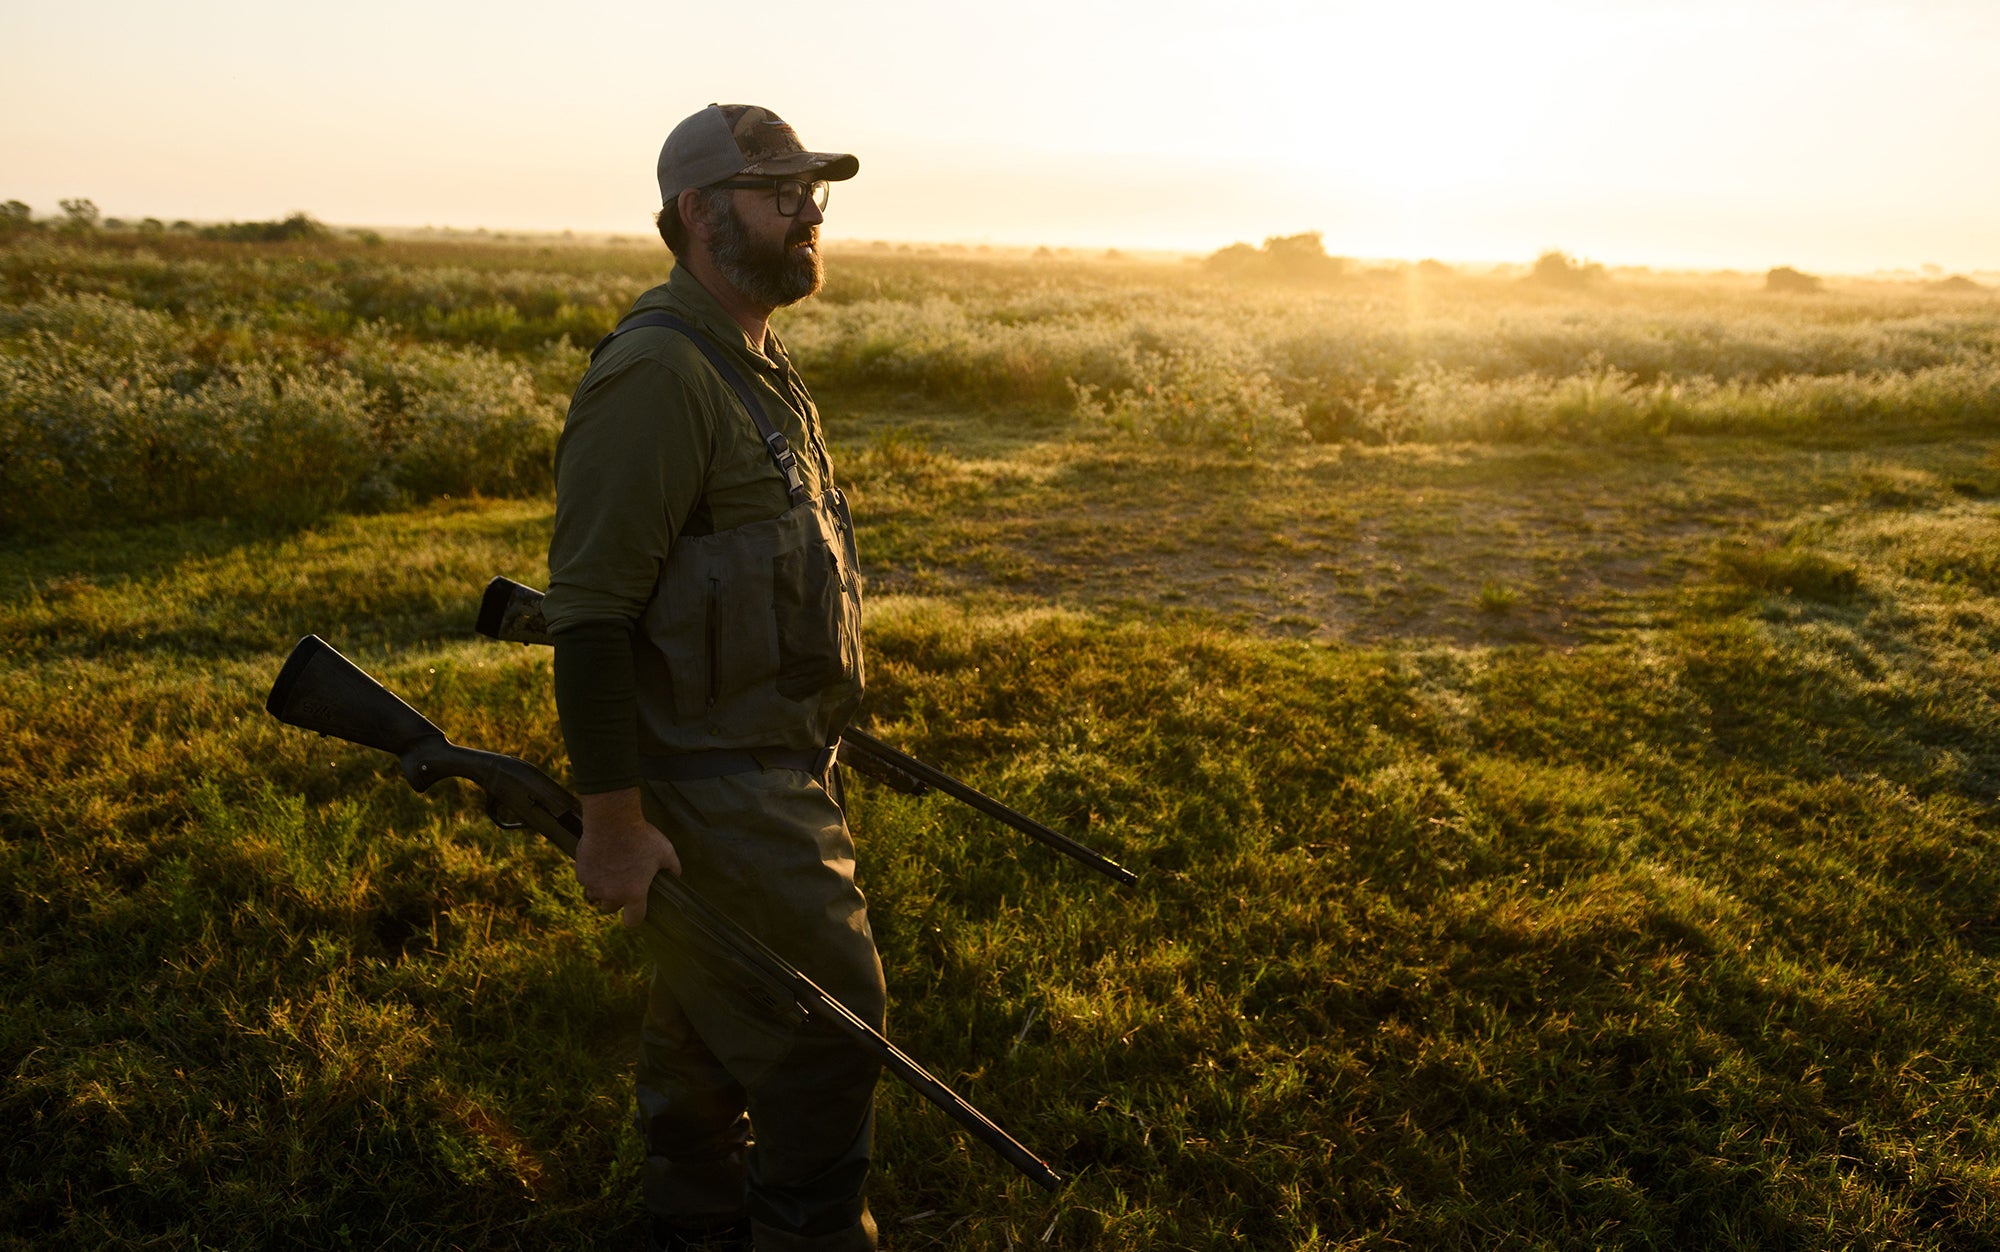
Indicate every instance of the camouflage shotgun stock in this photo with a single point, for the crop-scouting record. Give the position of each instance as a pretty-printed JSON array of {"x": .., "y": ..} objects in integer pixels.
[
  {"x": 320, "y": 690},
  {"x": 512, "y": 612}
]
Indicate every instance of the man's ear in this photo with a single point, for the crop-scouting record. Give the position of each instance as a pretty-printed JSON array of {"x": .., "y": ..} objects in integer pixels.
[{"x": 692, "y": 205}]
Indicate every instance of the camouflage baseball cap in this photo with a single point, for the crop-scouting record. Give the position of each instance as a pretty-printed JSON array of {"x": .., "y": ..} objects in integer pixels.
[{"x": 724, "y": 140}]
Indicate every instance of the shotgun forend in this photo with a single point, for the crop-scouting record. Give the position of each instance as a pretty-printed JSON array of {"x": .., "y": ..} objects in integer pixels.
[{"x": 512, "y": 612}]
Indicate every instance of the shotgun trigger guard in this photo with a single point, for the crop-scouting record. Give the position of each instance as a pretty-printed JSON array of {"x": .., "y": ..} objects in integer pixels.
[{"x": 502, "y": 816}]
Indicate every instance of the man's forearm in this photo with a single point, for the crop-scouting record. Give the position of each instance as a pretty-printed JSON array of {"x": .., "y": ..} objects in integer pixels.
[
  {"x": 597, "y": 698},
  {"x": 612, "y": 808}
]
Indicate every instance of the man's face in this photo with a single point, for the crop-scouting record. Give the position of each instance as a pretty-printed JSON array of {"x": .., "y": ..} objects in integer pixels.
[{"x": 771, "y": 258}]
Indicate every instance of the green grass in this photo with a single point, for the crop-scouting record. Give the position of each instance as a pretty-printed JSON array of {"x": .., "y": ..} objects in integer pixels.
[{"x": 1557, "y": 844}]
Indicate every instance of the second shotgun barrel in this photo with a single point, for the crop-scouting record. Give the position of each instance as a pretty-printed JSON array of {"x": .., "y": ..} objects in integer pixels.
[{"x": 512, "y": 613}]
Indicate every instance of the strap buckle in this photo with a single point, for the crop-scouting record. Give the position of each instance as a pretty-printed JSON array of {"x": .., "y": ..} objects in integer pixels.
[{"x": 787, "y": 462}]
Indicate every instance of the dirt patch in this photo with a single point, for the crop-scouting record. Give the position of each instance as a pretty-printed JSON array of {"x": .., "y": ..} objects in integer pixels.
[{"x": 1466, "y": 545}]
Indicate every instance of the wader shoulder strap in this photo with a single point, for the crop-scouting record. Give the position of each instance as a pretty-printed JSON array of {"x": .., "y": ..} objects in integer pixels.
[{"x": 774, "y": 439}]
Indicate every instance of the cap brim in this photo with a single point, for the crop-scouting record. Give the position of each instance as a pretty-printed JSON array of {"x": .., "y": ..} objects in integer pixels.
[{"x": 831, "y": 166}]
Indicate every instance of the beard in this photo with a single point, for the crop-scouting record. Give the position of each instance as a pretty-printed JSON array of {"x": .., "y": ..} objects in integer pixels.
[{"x": 773, "y": 276}]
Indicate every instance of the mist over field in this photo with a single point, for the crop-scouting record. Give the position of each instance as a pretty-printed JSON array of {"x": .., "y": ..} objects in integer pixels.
[{"x": 1553, "y": 710}]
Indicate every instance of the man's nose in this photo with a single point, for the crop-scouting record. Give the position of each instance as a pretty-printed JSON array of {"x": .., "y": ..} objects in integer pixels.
[{"x": 809, "y": 213}]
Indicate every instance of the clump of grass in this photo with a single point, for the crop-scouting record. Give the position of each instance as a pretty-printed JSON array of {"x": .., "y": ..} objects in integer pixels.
[
  {"x": 1896, "y": 487},
  {"x": 901, "y": 451},
  {"x": 899, "y": 472},
  {"x": 1497, "y": 598},
  {"x": 1790, "y": 571},
  {"x": 1952, "y": 550}
]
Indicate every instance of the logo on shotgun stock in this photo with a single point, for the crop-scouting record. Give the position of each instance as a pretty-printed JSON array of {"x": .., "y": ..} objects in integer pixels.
[{"x": 308, "y": 709}]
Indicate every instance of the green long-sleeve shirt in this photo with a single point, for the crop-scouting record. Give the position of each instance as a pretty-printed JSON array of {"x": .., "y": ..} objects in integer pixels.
[{"x": 655, "y": 446}]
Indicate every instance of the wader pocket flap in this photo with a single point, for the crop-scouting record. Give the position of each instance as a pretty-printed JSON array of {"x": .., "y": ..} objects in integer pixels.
[
  {"x": 682, "y": 628},
  {"x": 806, "y": 589}
]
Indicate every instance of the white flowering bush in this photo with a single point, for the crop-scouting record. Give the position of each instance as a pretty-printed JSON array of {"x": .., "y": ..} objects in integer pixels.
[
  {"x": 1213, "y": 398},
  {"x": 166, "y": 377},
  {"x": 112, "y": 413},
  {"x": 1433, "y": 405}
]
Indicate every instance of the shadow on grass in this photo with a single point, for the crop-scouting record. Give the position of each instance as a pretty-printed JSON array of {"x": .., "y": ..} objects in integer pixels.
[{"x": 225, "y": 589}]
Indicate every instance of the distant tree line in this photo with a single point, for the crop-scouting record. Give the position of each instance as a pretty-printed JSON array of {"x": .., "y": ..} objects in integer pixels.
[
  {"x": 1304, "y": 257},
  {"x": 81, "y": 217}
]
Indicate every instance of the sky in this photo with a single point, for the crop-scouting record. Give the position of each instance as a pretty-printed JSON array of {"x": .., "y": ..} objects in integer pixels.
[{"x": 1831, "y": 135}]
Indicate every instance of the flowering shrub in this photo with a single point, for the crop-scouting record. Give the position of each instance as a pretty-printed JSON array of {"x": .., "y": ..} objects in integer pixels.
[
  {"x": 165, "y": 377},
  {"x": 1433, "y": 404},
  {"x": 1208, "y": 398},
  {"x": 113, "y": 413}
]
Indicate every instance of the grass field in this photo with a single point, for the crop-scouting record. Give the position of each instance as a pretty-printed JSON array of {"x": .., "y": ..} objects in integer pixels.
[{"x": 1560, "y": 733}]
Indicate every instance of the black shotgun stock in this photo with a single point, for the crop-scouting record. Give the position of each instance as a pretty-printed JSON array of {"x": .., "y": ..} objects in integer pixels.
[
  {"x": 319, "y": 689},
  {"x": 512, "y": 612}
]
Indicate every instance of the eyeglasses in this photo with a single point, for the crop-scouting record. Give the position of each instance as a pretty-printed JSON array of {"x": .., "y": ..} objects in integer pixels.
[{"x": 791, "y": 192}]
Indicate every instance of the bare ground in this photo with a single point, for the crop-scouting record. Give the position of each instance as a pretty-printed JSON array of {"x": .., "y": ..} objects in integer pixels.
[{"x": 1464, "y": 545}]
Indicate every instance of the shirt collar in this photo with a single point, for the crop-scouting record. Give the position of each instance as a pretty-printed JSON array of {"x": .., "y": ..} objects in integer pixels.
[{"x": 703, "y": 309}]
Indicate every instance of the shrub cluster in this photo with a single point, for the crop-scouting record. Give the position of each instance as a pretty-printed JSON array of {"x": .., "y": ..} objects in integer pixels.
[
  {"x": 1561, "y": 270},
  {"x": 112, "y": 413},
  {"x": 329, "y": 292},
  {"x": 1371, "y": 362},
  {"x": 1290, "y": 258},
  {"x": 162, "y": 374},
  {"x": 1220, "y": 399},
  {"x": 297, "y": 228},
  {"x": 1435, "y": 405},
  {"x": 1786, "y": 279}
]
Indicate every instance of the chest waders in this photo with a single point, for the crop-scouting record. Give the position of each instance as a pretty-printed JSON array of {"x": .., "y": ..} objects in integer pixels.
[
  {"x": 748, "y": 659},
  {"x": 749, "y": 653}
]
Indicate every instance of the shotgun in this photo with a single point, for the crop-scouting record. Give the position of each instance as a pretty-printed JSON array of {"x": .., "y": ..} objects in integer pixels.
[
  {"x": 512, "y": 612},
  {"x": 319, "y": 689}
]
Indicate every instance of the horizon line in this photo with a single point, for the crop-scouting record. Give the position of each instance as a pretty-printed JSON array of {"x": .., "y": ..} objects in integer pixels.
[{"x": 1073, "y": 250}]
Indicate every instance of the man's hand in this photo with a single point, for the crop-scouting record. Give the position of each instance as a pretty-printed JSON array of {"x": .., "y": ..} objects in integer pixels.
[{"x": 620, "y": 852}]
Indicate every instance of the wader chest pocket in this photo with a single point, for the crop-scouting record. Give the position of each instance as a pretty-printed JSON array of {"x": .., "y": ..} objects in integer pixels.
[
  {"x": 759, "y": 630},
  {"x": 710, "y": 632},
  {"x": 810, "y": 606}
]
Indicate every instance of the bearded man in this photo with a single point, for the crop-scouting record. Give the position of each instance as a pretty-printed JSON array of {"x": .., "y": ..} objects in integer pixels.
[{"x": 706, "y": 611}]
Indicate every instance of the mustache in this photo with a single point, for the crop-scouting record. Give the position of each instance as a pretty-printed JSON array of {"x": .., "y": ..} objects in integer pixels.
[{"x": 801, "y": 233}]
